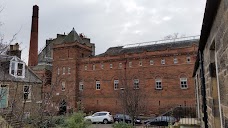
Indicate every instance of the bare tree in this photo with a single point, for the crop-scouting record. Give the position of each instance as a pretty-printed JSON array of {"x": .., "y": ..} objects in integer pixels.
[{"x": 133, "y": 101}]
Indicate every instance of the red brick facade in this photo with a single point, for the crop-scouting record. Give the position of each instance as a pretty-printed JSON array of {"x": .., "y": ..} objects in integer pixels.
[{"x": 73, "y": 63}]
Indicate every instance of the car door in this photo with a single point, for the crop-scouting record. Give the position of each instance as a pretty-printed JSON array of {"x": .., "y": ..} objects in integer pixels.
[
  {"x": 101, "y": 117},
  {"x": 95, "y": 117}
]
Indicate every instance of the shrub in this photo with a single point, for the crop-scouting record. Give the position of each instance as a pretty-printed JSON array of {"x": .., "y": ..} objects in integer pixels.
[
  {"x": 76, "y": 120},
  {"x": 122, "y": 125}
]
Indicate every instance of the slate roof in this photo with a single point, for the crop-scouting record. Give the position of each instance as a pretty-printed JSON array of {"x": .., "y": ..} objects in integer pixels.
[
  {"x": 153, "y": 47},
  {"x": 72, "y": 37},
  {"x": 30, "y": 77}
]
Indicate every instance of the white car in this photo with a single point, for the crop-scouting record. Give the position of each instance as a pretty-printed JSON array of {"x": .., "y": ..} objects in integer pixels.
[{"x": 100, "y": 117}]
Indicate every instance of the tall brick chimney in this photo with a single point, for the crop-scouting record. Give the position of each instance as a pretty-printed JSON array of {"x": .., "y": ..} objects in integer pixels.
[{"x": 33, "y": 49}]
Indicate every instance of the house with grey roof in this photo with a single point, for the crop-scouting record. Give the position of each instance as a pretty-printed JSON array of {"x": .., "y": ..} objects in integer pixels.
[{"x": 20, "y": 90}]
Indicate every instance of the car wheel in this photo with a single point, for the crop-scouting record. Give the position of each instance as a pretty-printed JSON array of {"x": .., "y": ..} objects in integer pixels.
[
  {"x": 128, "y": 122},
  {"x": 105, "y": 121},
  {"x": 116, "y": 122}
]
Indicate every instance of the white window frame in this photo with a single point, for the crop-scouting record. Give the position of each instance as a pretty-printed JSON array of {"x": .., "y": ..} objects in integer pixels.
[
  {"x": 175, "y": 60},
  {"x": 29, "y": 93},
  {"x": 102, "y": 66},
  {"x": 81, "y": 86},
  {"x": 116, "y": 84},
  {"x": 85, "y": 67},
  {"x": 63, "y": 85},
  {"x": 188, "y": 59},
  {"x": 136, "y": 83},
  {"x": 162, "y": 61},
  {"x": 14, "y": 65},
  {"x": 151, "y": 62},
  {"x": 98, "y": 85},
  {"x": 111, "y": 66},
  {"x": 183, "y": 83},
  {"x": 64, "y": 70},
  {"x": 130, "y": 64},
  {"x": 94, "y": 67},
  {"x": 158, "y": 84},
  {"x": 69, "y": 70},
  {"x": 120, "y": 65}
]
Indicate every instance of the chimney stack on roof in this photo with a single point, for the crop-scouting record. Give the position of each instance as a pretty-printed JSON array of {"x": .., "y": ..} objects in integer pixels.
[
  {"x": 33, "y": 49},
  {"x": 14, "y": 51}
]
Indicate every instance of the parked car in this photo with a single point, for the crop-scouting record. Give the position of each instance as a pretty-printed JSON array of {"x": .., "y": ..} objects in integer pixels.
[
  {"x": 100, "y": 117},
  {"x": 121, "y": 117},
  {"x": 161, "y": 121}
]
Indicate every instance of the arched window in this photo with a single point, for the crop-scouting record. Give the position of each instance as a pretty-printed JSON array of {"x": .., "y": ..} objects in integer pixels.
[
  {"x": 183, "y": 82},
  {"x": 158, "y": 83}
]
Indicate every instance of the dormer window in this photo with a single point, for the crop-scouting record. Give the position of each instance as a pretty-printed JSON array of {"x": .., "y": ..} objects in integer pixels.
[{"x": 17, "y": 69}]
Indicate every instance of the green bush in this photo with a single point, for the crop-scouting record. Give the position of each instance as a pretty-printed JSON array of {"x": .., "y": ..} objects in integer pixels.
[
  {"x": 76, "y": 120},
  {"x": 122, "y": 125}
]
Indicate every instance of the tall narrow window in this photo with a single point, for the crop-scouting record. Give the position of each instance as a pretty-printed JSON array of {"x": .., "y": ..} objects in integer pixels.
[
  {"x": 120, "y": 65},
  {"x": 116, "y": 84},
  {"x": 158, "y": 84},
  {"x": 63, "y": 85},
  {"x": 81, "y": 86},
  {"x": 69, "y": 70},
  {"x": 151, "y": 62},
  {"x": 175, "y": 61},
  {"x": 111, "y": 66},
  {"x": 94, "y": 66},
  {"x": 64, "y": 69},
  {"x": 102, "y": 66},
  {"x": 85, "y": 67},
  {"x": 130, "y": 64},
  {"x": 136, "y": 83},
  {"x": 27, "y": 92},
  {"x": 162, "y": 61},
  {"x": 98, "y": 85},
  {"x": 183, "y": 83}
]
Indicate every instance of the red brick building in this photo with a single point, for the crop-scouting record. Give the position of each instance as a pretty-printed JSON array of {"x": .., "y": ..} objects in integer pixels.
[{"x": 161, "y": 71}]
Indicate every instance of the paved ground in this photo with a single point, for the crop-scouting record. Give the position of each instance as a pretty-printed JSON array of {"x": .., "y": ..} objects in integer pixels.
[{"x": 110, "y": 126}]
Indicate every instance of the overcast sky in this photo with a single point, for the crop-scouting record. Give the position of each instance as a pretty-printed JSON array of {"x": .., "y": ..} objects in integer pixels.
[{"x": 107, "y": 23}]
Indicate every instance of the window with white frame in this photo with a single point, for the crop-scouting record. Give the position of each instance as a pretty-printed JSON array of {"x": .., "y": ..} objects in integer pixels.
[
  {"x": 69, "y": 70},
  {"x": 110, "y": 65},
  {"x": 120, "y": 65},
  {"x": 116, "y": 84},
  {"x": 183, "y": 83},
  {"x": 58, "y": 71},
  {"x": 98, "y": 85},
  {"x": 158, "y": 84},
  {"x": 130, "y": 64},
  {"x": 94, "y": 66},
  {"x": 140, "y": 63},
  {"x": 102, "y": 66},
  {"x": 175, "y": 61},
  {"x": 81, "y": 86},
  {"x": 85, "y": 67},
  {"x": 27, "y": 92},
  {"x": 63, "y": 85},
  {"x": 162, "y": 61},
  {"x": 151, "y": 62},
  {"x": 64, "y": 69},
  {"x": 17, "y": 69},
  {"x": 188, "y": 59},
  {"x": 136, "y": 83}
]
